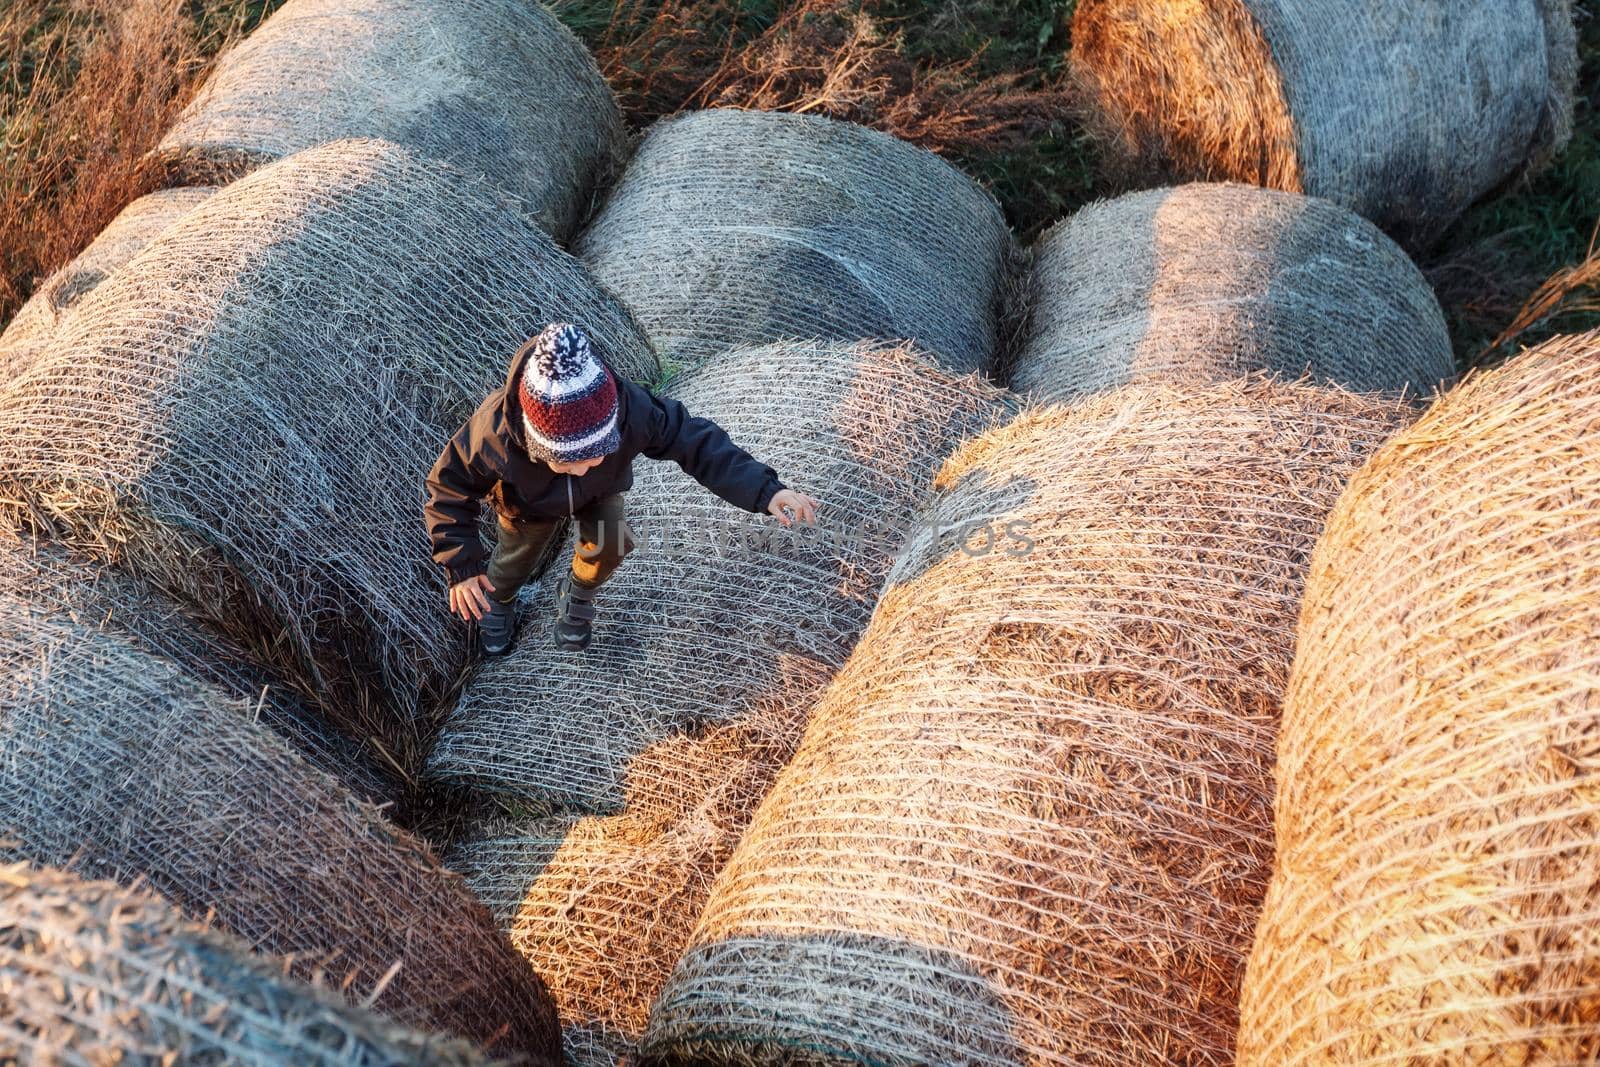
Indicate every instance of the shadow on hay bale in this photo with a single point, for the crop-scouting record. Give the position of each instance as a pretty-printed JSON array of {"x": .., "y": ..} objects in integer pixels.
[
  {"x": 1210, "y": 282},
  {"x": 498, "y": 88},
  {"x": 1036, "y": 803},
  {"x": 720, "y": 609},
  {"x": 1435, "y": 898},
  {"x": 244, "y": 415},
  {"x": 123, "y": 238},
  {"x": 52, "y": 580},
  {"x": 734, "y": 228},
  {"x": 94, "y": 973},
  {"x": 121, "y": 765},
  {"x": 1404, "y": 111}
]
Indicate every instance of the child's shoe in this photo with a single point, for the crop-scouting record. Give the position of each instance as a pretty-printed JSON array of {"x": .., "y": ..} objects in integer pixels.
[
  {"x": 574, "y": 614},
  {"x": 497, "y": 628}
]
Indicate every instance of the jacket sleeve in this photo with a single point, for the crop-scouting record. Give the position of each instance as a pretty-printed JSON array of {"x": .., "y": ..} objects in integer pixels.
[
  {"x": 456, "y": 488},
  {"x": 706, "y": 452}
]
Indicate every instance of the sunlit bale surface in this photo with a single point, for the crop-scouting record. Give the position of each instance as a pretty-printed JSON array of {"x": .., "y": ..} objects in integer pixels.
[
  {"x": 1030, "y": 820},
  {"x": 1434, "y": 898}
]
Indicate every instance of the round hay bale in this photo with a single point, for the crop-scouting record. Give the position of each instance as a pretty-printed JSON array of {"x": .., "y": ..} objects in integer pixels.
[
  {"x": 94, "y": 973},
  {"x": 602, "y": 906},
  {"x": 1404, "y": 111},
  {"x": 118, "y": 764},
  {"x": 123, "y": 238},
  {"x": 1030, "y": 820},
  {"x": 1435, "y": 899},
  {"x": 499, "y": 88},
  {"x": 1208, "y": 282},
  {"x": 55, "y": 581},
  {"x": 720, "y": 609},
  {"x": 735, "y": 228},
  {"x": 244, "y": 415}
]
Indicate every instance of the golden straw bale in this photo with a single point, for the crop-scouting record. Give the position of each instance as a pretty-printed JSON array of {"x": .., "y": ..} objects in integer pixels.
[
  {"x": 1436, "y": 898},
  {"x": 1404, "y": 111},
  {"x": 1030, "y": 821}
]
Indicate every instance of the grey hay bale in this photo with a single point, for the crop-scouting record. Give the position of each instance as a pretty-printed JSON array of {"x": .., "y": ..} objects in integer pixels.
[
  {"x": 56, "y": 581},
  {"x": 1030, "y": 820},
  {"x": 244, "y": 415},
  {"x": 1434, "y": 898},
  {"x": 720, "y": 609},
  {"x": 122, "y": 239},
  {"x": 93, "y": 973},
  {"x": 1208, "y": 282},
  {"x": 1404, "y": 111},
  {"x": 499, "y": 88},
  {"x": 734, "y": 228},
  {"x": 118, "y": 764}
]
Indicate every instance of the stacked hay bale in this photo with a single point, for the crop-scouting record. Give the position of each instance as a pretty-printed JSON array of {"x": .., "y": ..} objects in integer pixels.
[
  {"x": 496, "y": 87},
  {"x": 245, "y": 413},
  {"x": 712, "y": 644},
  {"x": 1403, "y": 112},
  {"x": 119, "y": 764},
  {"x": 1434, "y": 898},
  {"x": 1029, "y": 822},
  {"x": 1209, "y": 282},
  {"x": 738, "y": 228},
  {"x": 123, "y": 238},
  {"x": 55, "y": 581},
  {"x": 93, "y": 973}
]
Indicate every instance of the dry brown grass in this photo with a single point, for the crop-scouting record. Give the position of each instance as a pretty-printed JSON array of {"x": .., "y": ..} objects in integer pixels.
[{"x": 1573, "y": 290}]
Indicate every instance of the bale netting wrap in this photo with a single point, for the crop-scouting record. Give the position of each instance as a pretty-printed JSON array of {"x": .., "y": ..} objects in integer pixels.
[
  {"x": 719, "y": 609},
  {"x": 118, "y": 764},
  {"x": 499, "y": 88},
  {"x": 745, "y": 227},
  {"x": 245, "y": 414},
  {"x": 1402, "y": 111},
  {"x": 1206, "y": 282},
  {"x": 123, "y": 238},
  {"x": 602, "y": 906},
  {"x": 1434, "y": 898},
  {"x": 56, "y": 581},
  {"x": 1030, "y": 820},
  {"x": 92, "y": 973}
]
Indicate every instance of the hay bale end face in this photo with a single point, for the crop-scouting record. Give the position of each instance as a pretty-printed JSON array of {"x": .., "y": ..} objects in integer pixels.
[
  {"x": 118, "y": 764},
  {"x": 1434, "y": 898},
  {"x": 734, "y": 228},
  {"x": 244, "y": 415},
  {"x": 1030, "y": 820},
  {"x": 498, "y": 88},
  {"x": 1208, "y": 282},
  {"x": 1404, "y": 112},
  {"x": 719, "y": 609},
  {"x": 94, "y": 973}
]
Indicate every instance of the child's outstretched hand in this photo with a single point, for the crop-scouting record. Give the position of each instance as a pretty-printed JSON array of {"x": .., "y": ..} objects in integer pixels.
[
  {"x": 787, "y": 503},
  {"x": 467, "y": 599}
]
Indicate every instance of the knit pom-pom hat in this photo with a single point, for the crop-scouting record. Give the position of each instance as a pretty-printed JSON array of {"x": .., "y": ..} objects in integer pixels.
[{"x": 568, "y": 398}]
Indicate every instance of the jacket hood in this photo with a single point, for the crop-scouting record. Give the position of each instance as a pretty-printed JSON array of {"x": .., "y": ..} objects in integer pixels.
[{"x": 510, "y": 407}]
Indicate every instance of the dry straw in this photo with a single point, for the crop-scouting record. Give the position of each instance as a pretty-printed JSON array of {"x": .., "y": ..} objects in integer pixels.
[
  {"x": 245, "y": 413},
  {"x": 1402, "y": 112},
  {"x": 1435, "y": 898},
  {"x": 498, "y": 88},
  {"x": 91, "y": 973},
  {"x": 745, "y": 227},
  {"x": 55, "y": 581},
  {"x": 121, "y": 765},
  {"x": 1208, "y": 282},
  {"x": 1030, "y": 820},
  {"x": 720, "y": 610}
]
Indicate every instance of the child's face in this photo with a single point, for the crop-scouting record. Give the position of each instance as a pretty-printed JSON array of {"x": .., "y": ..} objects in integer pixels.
[{"x": 578, "y": 467}]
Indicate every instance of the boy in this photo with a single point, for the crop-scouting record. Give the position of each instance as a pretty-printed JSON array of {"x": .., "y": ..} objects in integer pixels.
[{"x": 558, "y": 441}]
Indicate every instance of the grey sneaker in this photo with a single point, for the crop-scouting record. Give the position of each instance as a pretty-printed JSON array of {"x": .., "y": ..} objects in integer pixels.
[
  {"x": 497, "y": 628},
  {"x": 574, "y": 615}
]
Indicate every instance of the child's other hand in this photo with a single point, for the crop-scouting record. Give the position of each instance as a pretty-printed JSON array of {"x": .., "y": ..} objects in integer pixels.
[
  {"x": 467, "y": 599},
  {"x": 803, "y": 507}
]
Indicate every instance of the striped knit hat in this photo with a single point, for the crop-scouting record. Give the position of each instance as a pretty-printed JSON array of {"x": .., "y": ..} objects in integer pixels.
[{"x": 568, "y": 398}]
